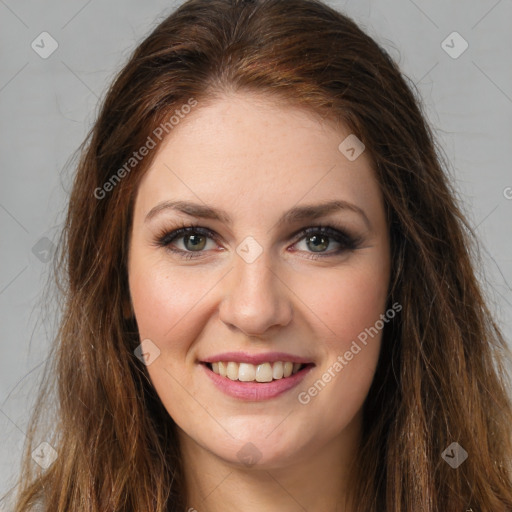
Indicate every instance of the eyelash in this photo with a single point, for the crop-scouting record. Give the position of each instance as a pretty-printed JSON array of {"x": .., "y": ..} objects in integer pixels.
[{"x": 348, "y": 242}]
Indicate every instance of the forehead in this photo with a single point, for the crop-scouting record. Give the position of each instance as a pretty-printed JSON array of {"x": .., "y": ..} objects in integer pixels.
[{"x": 248, "y": 152}]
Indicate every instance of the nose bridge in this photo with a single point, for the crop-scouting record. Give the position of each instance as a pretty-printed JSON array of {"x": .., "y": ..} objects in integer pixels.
[{"x": 255, "y": 299}]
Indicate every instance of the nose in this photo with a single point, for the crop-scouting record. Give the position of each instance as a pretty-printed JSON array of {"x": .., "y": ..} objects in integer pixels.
[{"x": 255, "y": 298}]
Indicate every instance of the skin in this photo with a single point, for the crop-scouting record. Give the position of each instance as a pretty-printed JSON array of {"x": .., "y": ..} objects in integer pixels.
[{"x": 256, "y": 159}]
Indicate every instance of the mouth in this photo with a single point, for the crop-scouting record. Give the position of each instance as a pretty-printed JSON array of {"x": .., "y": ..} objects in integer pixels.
[
  {"x": 257, "y": 373},
  {"x": 256, "y": 382}
]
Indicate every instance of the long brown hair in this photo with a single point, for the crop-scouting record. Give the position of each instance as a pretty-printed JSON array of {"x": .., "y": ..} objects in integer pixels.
[{"x": 441, "y": 376}]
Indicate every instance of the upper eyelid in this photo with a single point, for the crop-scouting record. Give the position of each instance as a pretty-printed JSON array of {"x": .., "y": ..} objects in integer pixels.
[{"x": 199, "y": 228}]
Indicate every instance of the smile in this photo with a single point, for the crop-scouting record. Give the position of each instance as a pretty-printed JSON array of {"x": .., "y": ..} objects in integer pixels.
[
  {"x": 287, "y": 377},
  {"x": 247, "y": 372}
]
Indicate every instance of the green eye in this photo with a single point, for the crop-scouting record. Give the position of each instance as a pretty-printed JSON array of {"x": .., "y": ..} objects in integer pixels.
[{"x": 317, "y": 240}]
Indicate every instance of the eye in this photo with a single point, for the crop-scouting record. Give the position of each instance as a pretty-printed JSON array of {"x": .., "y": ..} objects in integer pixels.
[
  {"x": 194, "y": 240},
  {"x": 317, "y": 240}
]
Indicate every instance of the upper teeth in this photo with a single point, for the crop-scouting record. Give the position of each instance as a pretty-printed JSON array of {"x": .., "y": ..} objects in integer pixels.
[{"x": 247, "y": 372}]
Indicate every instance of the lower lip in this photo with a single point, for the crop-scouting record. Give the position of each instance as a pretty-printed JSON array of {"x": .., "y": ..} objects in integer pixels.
[{"x": 256, "y": 391}]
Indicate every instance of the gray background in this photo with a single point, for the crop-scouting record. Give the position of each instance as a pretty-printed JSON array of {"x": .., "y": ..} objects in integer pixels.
[{"x": 48, "y": 105}]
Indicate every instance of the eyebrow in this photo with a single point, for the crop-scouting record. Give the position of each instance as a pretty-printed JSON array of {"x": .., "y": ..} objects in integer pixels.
[{"x": 296, "y": 214}]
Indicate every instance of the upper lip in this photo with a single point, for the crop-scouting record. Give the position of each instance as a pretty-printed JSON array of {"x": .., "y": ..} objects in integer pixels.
[{"x": 245, "y": 357}]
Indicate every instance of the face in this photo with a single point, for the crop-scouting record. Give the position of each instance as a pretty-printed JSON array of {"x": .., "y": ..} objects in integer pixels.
[{"x": 265, "y": 279}]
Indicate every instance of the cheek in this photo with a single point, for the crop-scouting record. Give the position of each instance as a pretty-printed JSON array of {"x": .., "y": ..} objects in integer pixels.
[
  {"x": 166, "y": 305},
  {"x": 164, "y": 300},
  {"x": 346, "y": 307},
  {"x": 360, "y": 306},
  {"x": 344, "y": 303}
]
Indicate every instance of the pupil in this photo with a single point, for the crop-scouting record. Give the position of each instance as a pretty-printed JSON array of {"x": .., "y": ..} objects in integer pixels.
[
  {"x": 316, "y": 238},
  {"x": 196, "y": 241}
]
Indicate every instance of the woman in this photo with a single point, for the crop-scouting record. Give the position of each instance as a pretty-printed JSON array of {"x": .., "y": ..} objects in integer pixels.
[{"x": 270, "y": 296}]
